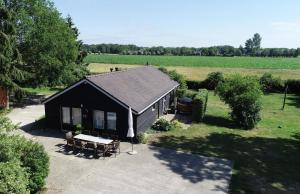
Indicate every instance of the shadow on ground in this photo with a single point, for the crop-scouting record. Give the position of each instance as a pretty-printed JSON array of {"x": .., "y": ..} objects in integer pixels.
[
  {"x": 29, "y": 99},
  {"x": 219, "y": 121},
  {"x": 261, "y": 165},
  {"x": 196, "y": 168},
  {"x": 294, "y": 100}
]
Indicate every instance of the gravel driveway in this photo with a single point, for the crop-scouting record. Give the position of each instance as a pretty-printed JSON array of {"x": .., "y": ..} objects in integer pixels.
[{"x": 152, "y": 170}]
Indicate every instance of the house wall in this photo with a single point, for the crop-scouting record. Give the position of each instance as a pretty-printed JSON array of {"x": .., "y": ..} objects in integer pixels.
[
  {"x": 87, "y": 98},
  {"x": 148, "y": 117}
]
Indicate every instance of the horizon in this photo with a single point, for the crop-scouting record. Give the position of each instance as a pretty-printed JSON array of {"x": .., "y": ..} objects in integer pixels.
[{"x": 185, "y": 24}]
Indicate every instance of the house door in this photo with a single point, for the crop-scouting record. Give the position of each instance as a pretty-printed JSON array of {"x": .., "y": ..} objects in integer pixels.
[{"x": 87, "y": 119}]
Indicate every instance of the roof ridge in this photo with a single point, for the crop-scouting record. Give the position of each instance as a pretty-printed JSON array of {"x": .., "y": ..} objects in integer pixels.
[{"x": 114, "y": 72}]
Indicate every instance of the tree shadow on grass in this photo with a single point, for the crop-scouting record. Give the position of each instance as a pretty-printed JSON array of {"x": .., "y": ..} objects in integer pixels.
[
  {"x": 294, "y": 100},
  {"x": 262, "y": 165},
  {"x": 219, "y": 121}
]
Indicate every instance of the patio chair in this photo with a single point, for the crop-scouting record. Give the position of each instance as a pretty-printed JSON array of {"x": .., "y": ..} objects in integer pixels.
[
  {"x": 102, "y": 148},
  {"x": 105, "y": 135},
  {"x": 114, "y": 137},
  {"x": 91, "y": 146},
  {"x": 86, "y": 132},
  {"x": 79, "y": 145},
  {"x": 95, "y": 133},
  {"x": 70, "y": 140},
  {"x": 114, "y": 147}
]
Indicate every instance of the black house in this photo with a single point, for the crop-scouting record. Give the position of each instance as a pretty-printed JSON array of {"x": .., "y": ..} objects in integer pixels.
[{"x": 100, "y": 102}]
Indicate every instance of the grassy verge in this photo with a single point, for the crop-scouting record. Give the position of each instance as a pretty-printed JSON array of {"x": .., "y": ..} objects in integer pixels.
[
  {"x": 197, "y": 61},
  {"x": 266, "y": 159}
]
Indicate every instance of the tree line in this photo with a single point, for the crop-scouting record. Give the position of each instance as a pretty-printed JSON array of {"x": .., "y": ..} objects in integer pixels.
[
  {"x": 38, "y": 47},
  {"x": 252, "y": 47}
]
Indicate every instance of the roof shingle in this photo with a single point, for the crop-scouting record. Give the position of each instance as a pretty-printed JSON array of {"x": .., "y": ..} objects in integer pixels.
[{"x": 135, "y": 87}]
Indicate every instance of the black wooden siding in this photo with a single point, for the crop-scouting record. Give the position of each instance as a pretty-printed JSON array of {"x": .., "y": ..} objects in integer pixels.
[{"x": 88, "y": 98}]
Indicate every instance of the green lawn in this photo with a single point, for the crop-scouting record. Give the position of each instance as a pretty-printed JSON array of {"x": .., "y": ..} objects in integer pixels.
[
  {"x": 197, "y": 61},
  {"x": 47, "y": 91},
  {"x": 266, "y": 159}
]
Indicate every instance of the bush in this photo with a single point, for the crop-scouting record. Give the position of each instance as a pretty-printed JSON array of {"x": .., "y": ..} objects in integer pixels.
[
  {"x": 142, "y": 138},
  {"x": 31, "y": 156},
  {"x": 164, "y": 125},
  {"x": 199, "y": 105},
  {"x": 13, "y": 178},
  {"x": 243, "y": 95},
  {"x": 293, "y": 86},
  {"x": 185, "y": 93},
  {"x": 271, "y": 84},
  {"x": 194, "y": 85},
  {"x": 176, "y": 77},
  {"x": 212, "y": 80}
]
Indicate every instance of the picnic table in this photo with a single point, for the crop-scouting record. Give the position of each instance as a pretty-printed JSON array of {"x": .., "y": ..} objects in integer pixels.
[{"x": 94, "y": 139}]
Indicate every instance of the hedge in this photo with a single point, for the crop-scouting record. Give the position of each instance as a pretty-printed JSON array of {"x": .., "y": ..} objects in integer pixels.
[
  {"x": 293, "y": 86},
  {"x": 199, "y": 105}
]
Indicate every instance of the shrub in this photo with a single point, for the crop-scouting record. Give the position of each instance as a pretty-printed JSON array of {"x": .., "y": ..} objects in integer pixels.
[
  {"x": 293, "y": 86},
  {"x": 142, "y": 138},
  {"x": 187, "y": 93},
  {"x": 271, "y": 84},
  {"x": 176, "y": 77},
  {"x": 31, "y": 156},
  {"x": 36, "y": 161},
  {"x": 212, "y": 80},
  {"x": 193, "y": 84},
  {"x": 164, "y": 125},
  {"x": 243, "y": 95},
  {"x": 199, "y": 105},
  {"x": 13, "y": 178}
]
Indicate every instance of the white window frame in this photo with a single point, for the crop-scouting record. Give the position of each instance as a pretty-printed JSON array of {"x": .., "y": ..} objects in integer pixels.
[
  {"x": 73, "y": 117},
  {"x": 109, "y": 120},
  {"x": 66, "y": 110},
  {"x": 94, "y": 119}
]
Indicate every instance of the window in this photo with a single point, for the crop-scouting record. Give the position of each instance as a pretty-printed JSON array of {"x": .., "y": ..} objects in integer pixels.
[
  {"x": 76, "y": 116},
  {"x": 66, "y": 116},
  {"x": 98, "y": 119},
  {"x": 111, "y": 120}
]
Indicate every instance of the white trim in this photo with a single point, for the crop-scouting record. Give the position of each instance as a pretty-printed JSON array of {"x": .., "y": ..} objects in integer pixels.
[
  {"x": 157, "y": 99},
  {"x": 107, "y": 94}
]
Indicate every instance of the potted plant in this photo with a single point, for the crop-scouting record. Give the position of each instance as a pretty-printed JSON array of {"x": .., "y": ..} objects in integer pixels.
[{"x": 78, "y": 129}]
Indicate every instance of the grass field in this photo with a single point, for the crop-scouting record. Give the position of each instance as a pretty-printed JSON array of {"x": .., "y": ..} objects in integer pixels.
[
  {"x": 200, "y": 73},
  {"x": 266, "y": 159},
  {"x": 197, "y": 61}
]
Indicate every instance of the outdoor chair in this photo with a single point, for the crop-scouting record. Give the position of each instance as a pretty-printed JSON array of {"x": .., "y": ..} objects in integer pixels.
[
  {"x": 91, "y": 146},
  {"x": 95, "y": 133},
  {"x": 79, "y": 145},
  {"x": 86, "y": 132},
  {"x": 70, "y": 140},
  {"x": 102, "y": 149},
  {"x": 114, "y": 137},
  {"x": 114, "y": 147},
  {"x": 105, "y": 135}
]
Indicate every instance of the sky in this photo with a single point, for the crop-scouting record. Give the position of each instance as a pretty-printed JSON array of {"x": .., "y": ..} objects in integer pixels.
[{"x": 195, "y": 23}]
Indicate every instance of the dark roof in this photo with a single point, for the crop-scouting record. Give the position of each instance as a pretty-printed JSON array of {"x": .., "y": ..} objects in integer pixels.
[{"x": 136, "y": 87}]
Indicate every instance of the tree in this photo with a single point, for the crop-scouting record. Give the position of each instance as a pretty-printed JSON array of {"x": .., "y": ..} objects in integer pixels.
[
  {"x": 256, "y": 41},
  {"x": 11, "y": 69},
  {"x": 47, "y": 42},
  {"x": 249, "y": 47},
  {"x": 243, "y": 95}
]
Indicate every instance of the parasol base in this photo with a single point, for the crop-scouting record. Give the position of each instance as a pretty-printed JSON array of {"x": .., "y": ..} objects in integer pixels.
[{"x": 132, "y": 152}]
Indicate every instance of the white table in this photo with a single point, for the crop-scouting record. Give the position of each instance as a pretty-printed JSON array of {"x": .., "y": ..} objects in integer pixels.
[{"x": 93, "y": 139}]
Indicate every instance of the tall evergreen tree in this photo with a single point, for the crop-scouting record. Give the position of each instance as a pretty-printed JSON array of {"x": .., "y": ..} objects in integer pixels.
[{"x": 11, "y": 71}]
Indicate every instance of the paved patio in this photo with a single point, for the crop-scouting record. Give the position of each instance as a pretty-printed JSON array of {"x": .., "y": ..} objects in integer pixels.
[{"x": 152, "y": 170}]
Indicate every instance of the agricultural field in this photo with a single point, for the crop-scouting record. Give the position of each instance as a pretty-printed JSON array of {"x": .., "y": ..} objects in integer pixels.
[
  {"x": 266, "y": 158},
  {"x": 197, "y": 61},
  {"x": 197, "y": 68},
  {"x": 200, "y": 73}
]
